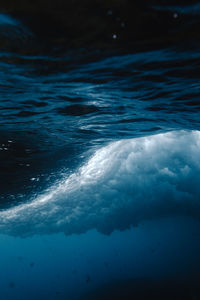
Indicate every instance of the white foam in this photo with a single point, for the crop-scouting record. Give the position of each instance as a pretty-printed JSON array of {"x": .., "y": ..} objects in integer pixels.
[{"x": 122, "y": 184}]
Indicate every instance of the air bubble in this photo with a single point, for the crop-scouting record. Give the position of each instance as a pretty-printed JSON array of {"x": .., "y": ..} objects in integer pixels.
[
  {"x": 175, "y": 15},
  {"x": 109, "y": 12}
]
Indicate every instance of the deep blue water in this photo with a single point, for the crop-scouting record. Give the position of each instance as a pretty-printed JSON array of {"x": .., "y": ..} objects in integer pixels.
[{"x": 99, "y": 169}]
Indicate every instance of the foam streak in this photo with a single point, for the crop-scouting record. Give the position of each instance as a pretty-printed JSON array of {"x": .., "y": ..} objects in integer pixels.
[{"x": 121, "y": 185}]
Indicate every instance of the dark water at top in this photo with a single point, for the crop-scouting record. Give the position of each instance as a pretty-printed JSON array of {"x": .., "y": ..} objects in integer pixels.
[
  {"x": 57, "y": 105},
  {"x": 99, "y": 150}
]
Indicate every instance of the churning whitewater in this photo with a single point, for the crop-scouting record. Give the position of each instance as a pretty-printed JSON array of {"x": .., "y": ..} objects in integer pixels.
[{"x": 121, "y": 185}]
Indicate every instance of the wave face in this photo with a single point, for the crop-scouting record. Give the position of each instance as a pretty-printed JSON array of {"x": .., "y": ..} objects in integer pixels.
[
  {"x": 121, "y": 185},
  {"x": 68, "y": 87}
]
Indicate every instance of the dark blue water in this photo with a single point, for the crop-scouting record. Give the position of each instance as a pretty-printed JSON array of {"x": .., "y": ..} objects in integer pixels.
[{"x": 99, "y": 166}]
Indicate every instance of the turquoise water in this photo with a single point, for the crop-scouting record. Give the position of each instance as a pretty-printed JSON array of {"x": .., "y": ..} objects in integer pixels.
[
  {"x": 60, "y": 267},
  {"x": 99, "y": 165}
]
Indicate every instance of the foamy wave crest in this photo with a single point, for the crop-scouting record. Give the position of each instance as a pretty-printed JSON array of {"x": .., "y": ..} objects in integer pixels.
[{"x": 122, "y": 184}]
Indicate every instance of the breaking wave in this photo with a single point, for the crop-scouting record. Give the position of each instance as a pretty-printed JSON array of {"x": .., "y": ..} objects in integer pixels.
[{"x": 121, "y": 185}]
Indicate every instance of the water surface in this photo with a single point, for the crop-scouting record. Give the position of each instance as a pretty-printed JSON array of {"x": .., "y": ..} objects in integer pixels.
[{"x": 99, "y": 153}]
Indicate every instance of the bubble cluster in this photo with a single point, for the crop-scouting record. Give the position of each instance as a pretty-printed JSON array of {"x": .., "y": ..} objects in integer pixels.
[{"x": 121, "y": 185}]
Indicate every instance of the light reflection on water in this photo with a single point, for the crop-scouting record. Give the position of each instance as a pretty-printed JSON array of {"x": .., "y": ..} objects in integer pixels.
[
  {"x": 104, "y": 146},
  {"x": 66, "y": 106}
]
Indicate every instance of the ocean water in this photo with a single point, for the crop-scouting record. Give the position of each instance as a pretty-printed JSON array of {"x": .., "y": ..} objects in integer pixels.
[{"x": 100, "y": 159}]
